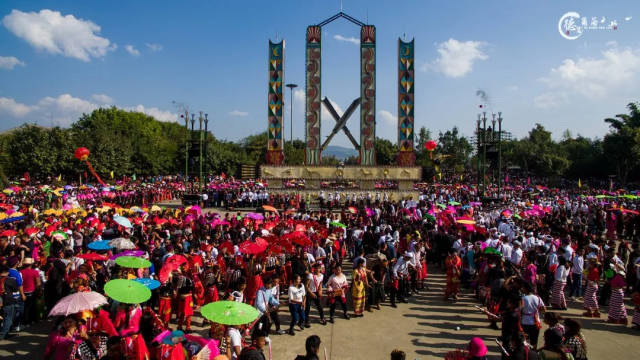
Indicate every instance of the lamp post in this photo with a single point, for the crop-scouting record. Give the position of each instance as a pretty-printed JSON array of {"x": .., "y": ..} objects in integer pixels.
[
  {"x": 201, "y": 135},
  {"x": 478, "y": 144},
  {"x": 186, "y": 145},
  {"x": 206, "y": 138},
  {"x": 484, "y": 152},
  {"x": 499, "y": 151},
  {"x": 291, "y": 86}
]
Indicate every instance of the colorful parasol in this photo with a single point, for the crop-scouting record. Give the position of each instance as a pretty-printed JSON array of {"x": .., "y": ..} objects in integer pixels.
[
  {"x": 127, "y": 291},
  {"x": 133, "y": 262},
  {"x": 229, "y": 313},
  {"x": 100, "y": 245},
  {"x": 78, "y": 302}
]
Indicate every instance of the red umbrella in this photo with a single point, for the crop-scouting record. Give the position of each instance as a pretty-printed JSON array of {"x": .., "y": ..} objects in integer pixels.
[
  {"x": 50, "y": 229},
  {"x": 298, "y": 237},
  {"x": 166, "y": 270},
  {"x": 352, "y": 210},
  {"x": 249, "y": 247},
  {"x": 92, "y": 257},
  {"x": 160, "y": 221},
  {"x": 177, "y": 259},
  {"x": 226, "y": 245},
  {"x": 31, "y": 231},
  {"x": 8, "y": 233},
  {"x": 262, "y": 242},
  {"x": 301, "y": 228}
]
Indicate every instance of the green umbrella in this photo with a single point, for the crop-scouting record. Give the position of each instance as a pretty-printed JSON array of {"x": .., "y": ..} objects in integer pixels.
[
  {"x": 517, "y": 216},
  {"x": 229, "y": 313},
  {"x": 337, "y": 224},
  {"x": 429, "y": 217},
  {"x": 492, "y": 251},
  {"x": 441, "y": 206},
  {"x": 600, "y": 196},
  {"x": 133, "y": 262},
  {"x": 127, "y": 291},
  {"x": 60, "y": 234},
  {"x": 454, "y": 203},
  {"x": 47, "y": 248}
]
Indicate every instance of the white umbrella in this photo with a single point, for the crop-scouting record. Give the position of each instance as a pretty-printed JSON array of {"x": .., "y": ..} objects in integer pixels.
[
  {"x": 122, "y": 244},
  {"x": 75, "y": 303}
]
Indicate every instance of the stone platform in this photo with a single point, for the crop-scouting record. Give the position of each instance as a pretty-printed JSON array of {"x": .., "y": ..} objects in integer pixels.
[{"x": 364, "y": 176}]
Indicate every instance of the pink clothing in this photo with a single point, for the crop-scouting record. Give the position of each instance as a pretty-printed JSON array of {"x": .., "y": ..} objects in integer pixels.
[
  {"x": 29, "y": 277},
  {"x": 133, "y": 327},
  {"x": 618, "y": 282},
  {"x": 60, "y": 347}
]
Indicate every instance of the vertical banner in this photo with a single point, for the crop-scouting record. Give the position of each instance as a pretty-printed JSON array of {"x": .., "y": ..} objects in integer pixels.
[
  {"x": 406, "y": 154},
  {"x": 313, "y": 94},
  {"x": 367, "y": 94},
  {"x": 275, "y": 153}
]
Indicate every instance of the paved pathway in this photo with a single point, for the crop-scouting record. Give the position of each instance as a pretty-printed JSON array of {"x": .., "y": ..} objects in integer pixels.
[{"x": 425, "y": 328}]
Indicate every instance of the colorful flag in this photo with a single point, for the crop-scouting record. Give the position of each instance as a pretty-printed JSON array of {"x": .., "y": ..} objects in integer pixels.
[
  {"x": 579, "y": 183},
  {"x": 60, "y": 177},
  {"x": 506, "y": 179},
  {"x": 111, "y": 174},
  {"x": 134, "y": 177},
  {"x": 528, "y": 181}
]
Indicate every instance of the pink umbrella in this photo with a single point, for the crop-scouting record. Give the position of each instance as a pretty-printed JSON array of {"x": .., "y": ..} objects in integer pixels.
[
  {"x": 128, "y": 253},
  {"x": 78, "y": 302},
  {"x": 255, "y": 216}
]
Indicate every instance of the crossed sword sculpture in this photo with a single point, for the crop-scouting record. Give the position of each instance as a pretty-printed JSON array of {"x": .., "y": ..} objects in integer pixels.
[{"x": 341, "y": 122}]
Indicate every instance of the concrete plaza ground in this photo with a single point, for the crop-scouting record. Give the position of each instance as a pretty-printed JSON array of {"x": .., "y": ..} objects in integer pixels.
[{"x": 425, "y": 328}]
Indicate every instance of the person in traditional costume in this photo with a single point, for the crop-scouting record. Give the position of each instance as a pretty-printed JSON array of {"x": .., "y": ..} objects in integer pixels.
[
  {"x": 453, "y": 264},
  {"x": 313, "y": 285},
  {"x": 183, "y": 294},
  {"x": 590, "y": 302},
  {"x": 358, "y": 288},
  {"x": 617, "y": 309},
  {"x": 558, "y": 300},
  {"x": 336, "y": 292},
  {"x": 63, "y": 342}
]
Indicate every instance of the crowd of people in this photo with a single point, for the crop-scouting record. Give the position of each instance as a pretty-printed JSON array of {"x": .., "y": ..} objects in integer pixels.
[{"x": 530, "y": 250}]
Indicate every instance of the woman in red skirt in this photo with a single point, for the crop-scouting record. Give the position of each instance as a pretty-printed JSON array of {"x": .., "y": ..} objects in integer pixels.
[
  {"x": 591, "y": 294},
  {"x": 617, "y": 310}
]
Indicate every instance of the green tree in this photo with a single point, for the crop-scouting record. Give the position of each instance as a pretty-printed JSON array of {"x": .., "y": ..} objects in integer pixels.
[
  {"x": 455, "y": 150},
  {"x": 385, "y": 151},
  {"x": 294, "y": 155},
  {"x": 622, "y": 144}
]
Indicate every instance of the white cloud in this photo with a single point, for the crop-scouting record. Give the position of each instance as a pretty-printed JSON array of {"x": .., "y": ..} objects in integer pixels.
[
  {"x": 550, "y": 100},
  {"x": 102, "y": 98},
  {"x": 132, "y": 50},
  {"x": 513, "y": 88},
  {"x": 456, "y": 57},
  {"x": 9, "y": 62},
  {"x": 158, "y": 114},
  {"x": 387, "y": 117},
  {"x": 614, "y": 72},
  {"x": 13, "y": 108},
  {"x": 65, "y": 109},
  {"x": 57, "y": 34},
  {"x": 154, "y": 47},
  {"x": 238, "y": 113},
  {"x": 350, "y": 39}
]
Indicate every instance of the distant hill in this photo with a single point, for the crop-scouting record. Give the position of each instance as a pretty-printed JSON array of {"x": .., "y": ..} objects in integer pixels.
[{"x": 339, "y": 152}]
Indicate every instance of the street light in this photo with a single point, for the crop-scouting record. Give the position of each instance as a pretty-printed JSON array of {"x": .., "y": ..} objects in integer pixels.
[
  {"x": 499, "y": 152},
  {"x": 291, "y": 86}
]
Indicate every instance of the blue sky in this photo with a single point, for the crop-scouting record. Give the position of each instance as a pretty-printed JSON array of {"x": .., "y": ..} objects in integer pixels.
[{"x": 61, "y": 58}]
